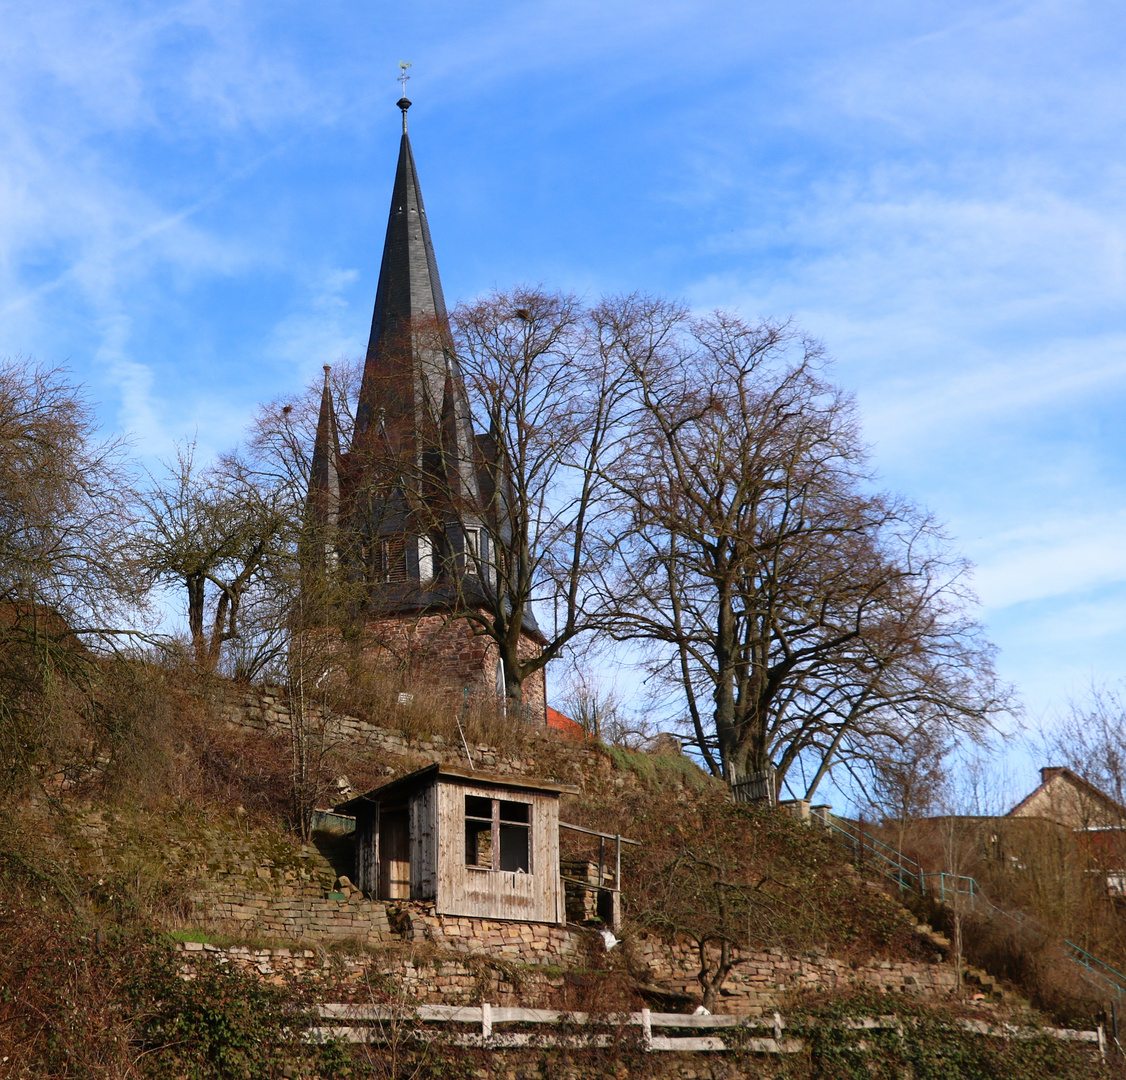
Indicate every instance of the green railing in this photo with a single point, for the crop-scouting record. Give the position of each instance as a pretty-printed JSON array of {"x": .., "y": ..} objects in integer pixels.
[
  {"x": 948, "y": 889},
  {"x": 866, "y": 848}
]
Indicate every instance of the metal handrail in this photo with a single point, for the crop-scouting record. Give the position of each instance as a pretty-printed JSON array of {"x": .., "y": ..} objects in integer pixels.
[
  {"x": 963, "y": 885},
  {"x": 896, "y": 860}
]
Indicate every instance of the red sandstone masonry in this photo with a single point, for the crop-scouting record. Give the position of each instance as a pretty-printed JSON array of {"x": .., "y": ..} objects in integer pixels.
[{"x": 442, "y": 653}]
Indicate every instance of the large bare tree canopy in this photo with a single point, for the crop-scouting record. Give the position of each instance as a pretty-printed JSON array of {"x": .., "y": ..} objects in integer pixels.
[
  {"x": 694, "y": 486},
  {"x": 552, "y": 400},
  {"x": 805, "y": 617}
]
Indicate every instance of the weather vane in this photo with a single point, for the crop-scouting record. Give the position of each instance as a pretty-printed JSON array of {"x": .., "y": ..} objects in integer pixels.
[{"x": 403, "y": 65}]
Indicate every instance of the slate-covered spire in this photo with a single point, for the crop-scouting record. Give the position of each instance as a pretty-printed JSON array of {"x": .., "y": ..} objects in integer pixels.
[
  {"x": 412, "y": 404},
  {"x": 322, "y": 504},
  {"x": 407, "y": 356}
]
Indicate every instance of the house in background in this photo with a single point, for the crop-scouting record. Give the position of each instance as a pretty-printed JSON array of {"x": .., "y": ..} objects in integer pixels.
[
  {"x": 1067, "y": 799},
  {"x": 1097, "y": 821},
  {"x": 471, "y": 843}
]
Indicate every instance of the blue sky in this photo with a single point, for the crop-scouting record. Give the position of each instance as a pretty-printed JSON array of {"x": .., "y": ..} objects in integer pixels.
[{"x": 193, "y": 196}]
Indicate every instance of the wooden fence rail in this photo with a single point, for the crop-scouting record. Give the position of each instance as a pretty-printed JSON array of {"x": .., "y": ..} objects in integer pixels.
[{"x": 389, "y": 1022}]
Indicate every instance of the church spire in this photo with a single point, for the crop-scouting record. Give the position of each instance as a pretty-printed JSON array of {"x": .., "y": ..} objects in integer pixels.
[{"x": 405, "y": 367}]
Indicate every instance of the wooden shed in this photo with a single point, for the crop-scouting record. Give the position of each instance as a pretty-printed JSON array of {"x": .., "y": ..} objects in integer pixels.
[{"x": 472, "y": 843}]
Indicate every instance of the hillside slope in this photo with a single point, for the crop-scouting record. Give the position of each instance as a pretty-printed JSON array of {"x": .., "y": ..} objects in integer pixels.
[{"x": 160, "y": 917}]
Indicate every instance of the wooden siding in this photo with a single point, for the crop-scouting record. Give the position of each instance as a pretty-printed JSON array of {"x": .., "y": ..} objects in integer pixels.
[
  {"x": 394, "y": 856},
  {"x": 424, "y": 843},
  {"x": 367, "y": 850},
  {"x": 496, "y": 894}
]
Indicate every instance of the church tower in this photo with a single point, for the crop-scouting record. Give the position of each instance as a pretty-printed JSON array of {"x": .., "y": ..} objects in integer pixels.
[{"x": 402, "y": 511}]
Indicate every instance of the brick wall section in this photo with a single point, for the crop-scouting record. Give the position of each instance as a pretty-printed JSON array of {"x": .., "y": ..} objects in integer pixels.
[{"x": 443, "y": 654}]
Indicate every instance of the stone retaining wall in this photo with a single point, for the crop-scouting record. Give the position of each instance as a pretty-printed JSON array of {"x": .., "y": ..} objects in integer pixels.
[
  {"x": 300, "y": 918},
  {"x": 758, "y": 983},
  {"x": 375, "y": 924},
  {"x": 405, "y": 974},
  {"x": 266, "y": 709}
]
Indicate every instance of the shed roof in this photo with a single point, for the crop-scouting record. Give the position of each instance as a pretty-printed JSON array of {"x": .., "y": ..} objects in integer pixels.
[{"x": 434, "y": 773}]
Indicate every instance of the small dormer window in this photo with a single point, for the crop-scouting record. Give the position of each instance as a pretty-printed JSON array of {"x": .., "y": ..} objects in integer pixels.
[{"x": 498, "y": 834}]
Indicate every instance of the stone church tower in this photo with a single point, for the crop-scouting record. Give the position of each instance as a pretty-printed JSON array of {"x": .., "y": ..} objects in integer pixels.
[{"x": 401, "y": 512}]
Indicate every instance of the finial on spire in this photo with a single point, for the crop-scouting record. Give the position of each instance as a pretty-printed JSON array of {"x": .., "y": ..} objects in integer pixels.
[
  {"x": 328, "y": 368},
  {"x": 404, "y": 101}
]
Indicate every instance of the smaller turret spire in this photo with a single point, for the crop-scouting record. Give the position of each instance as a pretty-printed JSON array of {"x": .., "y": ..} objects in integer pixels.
[{"x": 322, "y": 505}]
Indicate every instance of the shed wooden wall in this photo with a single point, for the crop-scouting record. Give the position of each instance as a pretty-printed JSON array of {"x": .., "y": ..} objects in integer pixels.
[
  {"x": 495, "y": 894},
  {"x": 424, "y": 843},
  {"x": 367, "y": 850}
]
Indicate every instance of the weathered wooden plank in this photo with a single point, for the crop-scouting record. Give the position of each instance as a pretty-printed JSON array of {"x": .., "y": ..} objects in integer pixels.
[
  {"x": 394, "y": 856},
  {"x": 691, "y": 1020},
  {"x": 423, "y": 843},
  {"x": 366, "y": 866},
  {"x": 690, "y": 1043}
]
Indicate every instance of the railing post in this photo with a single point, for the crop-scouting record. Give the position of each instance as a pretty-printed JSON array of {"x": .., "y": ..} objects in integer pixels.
[
  {"x": 486, "y": 1020},
  {"x": 646, "y": 1031}
]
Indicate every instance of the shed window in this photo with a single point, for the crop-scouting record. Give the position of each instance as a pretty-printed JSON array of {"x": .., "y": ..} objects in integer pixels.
[{"x": 498, "y": 834}]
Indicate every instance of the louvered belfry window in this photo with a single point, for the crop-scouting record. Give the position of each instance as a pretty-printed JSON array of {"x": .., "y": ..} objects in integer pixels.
[{"x": 387, "y": 560}]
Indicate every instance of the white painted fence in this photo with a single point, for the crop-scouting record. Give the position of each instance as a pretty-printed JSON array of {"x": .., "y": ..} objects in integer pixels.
[{"x": 384, "y": 1023}]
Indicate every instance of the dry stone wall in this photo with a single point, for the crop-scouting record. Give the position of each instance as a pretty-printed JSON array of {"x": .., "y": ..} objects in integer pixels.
[
  {"x": 411, "y": 975},
  {"x": 760, "y": 982},
  {"x": 374, "y": 924},
  {"x": 266, "y": 709}
]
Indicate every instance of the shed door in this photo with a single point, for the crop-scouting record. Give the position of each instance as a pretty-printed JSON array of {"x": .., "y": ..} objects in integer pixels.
[{"x": 394, "y": 856}]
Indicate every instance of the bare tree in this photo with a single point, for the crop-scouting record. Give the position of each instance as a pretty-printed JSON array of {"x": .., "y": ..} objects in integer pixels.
[
  {"x": 547, "y": 392},
  {"x": 217, "y": 532},
  {"x": 908, "y": 779},
  {"x": 803, "y": 615},
  {"x": 298, "y": 604},
  {"x": 1090, "y": 739},
  {"x": 67, "y": 582}
]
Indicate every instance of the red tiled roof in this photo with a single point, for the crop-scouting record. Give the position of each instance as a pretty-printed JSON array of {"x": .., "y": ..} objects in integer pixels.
[{"x": 558, "y": 722}]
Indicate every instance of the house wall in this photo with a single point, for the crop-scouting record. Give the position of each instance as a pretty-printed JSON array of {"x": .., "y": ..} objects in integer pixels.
[{"x": 494, "y": 894}]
